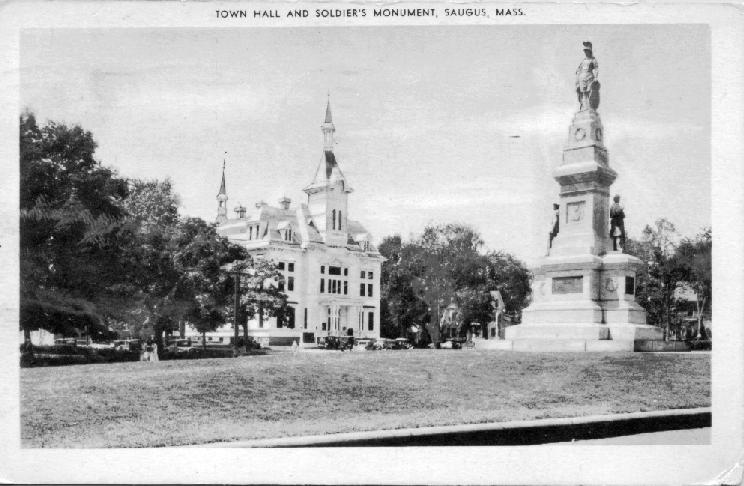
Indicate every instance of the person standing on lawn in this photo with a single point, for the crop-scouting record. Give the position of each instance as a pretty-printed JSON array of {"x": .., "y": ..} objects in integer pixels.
[{"x": 150, "y": 350}]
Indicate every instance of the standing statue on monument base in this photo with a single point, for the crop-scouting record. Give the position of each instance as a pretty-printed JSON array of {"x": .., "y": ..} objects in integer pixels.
[
  {"x": 617, "y": 224},
  {"x": 554, "y": 225},
  {"x": 587, "y": 84}
]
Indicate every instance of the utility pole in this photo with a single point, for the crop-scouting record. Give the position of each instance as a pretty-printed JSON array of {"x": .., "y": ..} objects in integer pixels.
[{"x": 236, "y": 303}]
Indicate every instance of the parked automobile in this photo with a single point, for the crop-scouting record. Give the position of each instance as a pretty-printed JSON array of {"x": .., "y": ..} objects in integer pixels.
[
  {"x": 450, "y": 344},
  {"x": 65, "y": 342},
  {"x": 180, "y": 346},
  {"x": 363, "y": 344},
  {"x": 127, "y": 345},
  {"x": 384, "y": 343},
  {"x": 402, "y": 343}
]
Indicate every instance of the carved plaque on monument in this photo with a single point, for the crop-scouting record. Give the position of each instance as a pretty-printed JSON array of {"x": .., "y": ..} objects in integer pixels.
[
  {"x": 575, "y": 211},
  {"x": 568, "y": 285}
]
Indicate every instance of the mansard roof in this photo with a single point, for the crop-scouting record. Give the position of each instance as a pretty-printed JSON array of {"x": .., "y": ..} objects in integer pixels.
[{"x": 271, "y": 221}]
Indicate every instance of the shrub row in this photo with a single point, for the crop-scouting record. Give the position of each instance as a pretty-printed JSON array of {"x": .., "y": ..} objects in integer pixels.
[{"x": 70, "y": 355}]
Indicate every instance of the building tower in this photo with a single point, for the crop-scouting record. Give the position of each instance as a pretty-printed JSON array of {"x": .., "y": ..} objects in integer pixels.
[
  {"x": 328, "y": 193},
  {"x": 222, "y": 199}
]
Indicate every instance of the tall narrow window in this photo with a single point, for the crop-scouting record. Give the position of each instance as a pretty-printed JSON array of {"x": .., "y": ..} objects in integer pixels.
[
  {"x": 333, "y": 217},
  {"x": 322, "y": 285},
  {"x": 290, "y": 267},
  {"x": 290, "y": 283},
  {"x": 305, "y": 321},
  {"x": 339, "y": 219},
  {"x": 346, "y": 287},
  {"x": 369, "y": 290},
  {"x": 371, "y": 321},
  {"x": 291, "y": 318},
  {"x": 361, "y": 290}
]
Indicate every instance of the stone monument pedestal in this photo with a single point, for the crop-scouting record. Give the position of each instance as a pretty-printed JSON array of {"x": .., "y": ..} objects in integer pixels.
[
  {"x": 583, "y": 303},
  {"x": 583, "y": 293}
]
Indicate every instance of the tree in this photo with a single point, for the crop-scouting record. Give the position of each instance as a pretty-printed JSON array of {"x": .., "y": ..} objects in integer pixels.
[
  {"x": 668, "y": 264},
  {"x": 99, "y": 250},
  {"x": 445, "y": 265},
  {"x": 694, "y": 259},
  {"x": 511, "y": 278},
  {"x": 176, "y": 263},
  {"x": 260, "y": 295},
  {"x": 400, "y": 306},
  {"x": 200, "y": 256},
  {"x": 70, "y": 219}
]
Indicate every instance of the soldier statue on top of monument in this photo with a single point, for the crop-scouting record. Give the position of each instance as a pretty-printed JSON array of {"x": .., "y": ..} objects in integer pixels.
[{"x": 587, "y": 85}]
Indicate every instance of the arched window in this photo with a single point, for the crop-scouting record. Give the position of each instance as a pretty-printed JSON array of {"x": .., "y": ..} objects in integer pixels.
[{"x": 333, "y": 217}]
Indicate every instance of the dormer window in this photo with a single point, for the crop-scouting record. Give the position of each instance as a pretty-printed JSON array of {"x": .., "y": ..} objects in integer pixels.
[{"x": 285, "y": 231}]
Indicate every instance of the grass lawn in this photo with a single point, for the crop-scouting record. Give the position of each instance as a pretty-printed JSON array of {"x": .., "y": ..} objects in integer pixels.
[{"x": 140, "y": 404}]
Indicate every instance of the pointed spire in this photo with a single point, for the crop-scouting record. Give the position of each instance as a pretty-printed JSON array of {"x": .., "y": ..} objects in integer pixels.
[
  {"x": 327, "y": 128},
  {"x": 222, "y": 198},
  {"x": 328, "y": 118},
  {"x": 222, "y": 185}
]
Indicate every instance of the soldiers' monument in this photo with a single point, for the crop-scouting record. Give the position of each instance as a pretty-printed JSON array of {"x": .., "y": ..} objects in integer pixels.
[{"x": 583, "y": 294}]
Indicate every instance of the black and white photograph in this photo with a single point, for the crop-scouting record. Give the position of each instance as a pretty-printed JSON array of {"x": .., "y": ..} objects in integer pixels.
[{"x": 372, "y": 242}]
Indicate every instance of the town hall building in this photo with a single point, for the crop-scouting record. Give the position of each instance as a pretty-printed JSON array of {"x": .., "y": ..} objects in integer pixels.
[{"x": 331, "y": 269}]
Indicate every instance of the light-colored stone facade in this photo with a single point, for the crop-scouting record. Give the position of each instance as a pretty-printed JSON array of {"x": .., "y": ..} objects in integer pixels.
[{"x": 331, "y": 268}]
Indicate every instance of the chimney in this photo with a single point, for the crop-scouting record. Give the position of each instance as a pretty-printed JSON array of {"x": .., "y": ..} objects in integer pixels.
[{"x": 285, "y": 202}]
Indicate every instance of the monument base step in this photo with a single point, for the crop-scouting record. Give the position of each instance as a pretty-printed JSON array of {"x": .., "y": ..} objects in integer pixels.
[
  {"x": 571, "y": 345},
  {"x": 562, "y": 331}
]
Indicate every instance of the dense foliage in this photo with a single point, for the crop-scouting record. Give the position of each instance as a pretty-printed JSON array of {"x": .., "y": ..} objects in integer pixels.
[
  {"x": 101, "y": 254},
  {"x": 446, "y": 265},
  {"x": 672, "y": 262}
]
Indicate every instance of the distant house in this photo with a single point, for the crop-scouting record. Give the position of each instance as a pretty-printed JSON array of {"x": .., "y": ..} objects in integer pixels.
[
  {"x": 686, "y": 304},
  {"x": 450, "y": 322},
  {"x": 39, "y": 337}
]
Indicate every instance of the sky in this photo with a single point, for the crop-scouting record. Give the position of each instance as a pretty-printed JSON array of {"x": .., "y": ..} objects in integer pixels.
[{"x": 434, "y": 124}]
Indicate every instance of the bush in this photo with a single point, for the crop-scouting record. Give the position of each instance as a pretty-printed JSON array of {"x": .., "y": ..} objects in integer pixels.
[
  {"x": 700, "y": 344},
  {"x": 68, "y": 355}
]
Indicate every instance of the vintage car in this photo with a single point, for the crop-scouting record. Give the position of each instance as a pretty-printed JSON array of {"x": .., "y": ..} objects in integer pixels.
[
  {"x": 363, "y": 344},
  {"x": 384, "y": 343},
  {"x": 402, "y": 343},
  {"x": 180, "y": 346}
]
